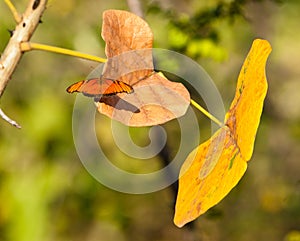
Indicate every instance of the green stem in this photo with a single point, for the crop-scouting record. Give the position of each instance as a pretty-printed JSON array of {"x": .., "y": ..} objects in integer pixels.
[
  {"x": 13, "y": 10},
  {"x": 205, "y": 112},
  {"x": 27, "y": 46}
]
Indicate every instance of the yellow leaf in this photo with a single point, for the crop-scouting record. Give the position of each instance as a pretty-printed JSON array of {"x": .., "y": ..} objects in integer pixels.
[
  {"x": 244, "y": 113},
  {"x": 216, "y": 166},
  {"x": 197, "y": 195}
]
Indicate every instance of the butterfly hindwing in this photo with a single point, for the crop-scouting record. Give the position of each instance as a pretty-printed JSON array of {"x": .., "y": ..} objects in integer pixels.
[{"x": 97, "y": 87}]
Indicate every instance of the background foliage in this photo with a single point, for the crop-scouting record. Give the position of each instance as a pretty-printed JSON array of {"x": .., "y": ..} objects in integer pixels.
[{"x": 45, "y": 192}]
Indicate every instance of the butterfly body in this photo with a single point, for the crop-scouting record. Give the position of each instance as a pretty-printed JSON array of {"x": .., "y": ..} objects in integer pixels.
[{"x": 98, "y": 87}]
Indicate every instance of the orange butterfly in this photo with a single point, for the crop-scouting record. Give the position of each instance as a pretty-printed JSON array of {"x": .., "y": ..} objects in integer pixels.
[{"x": 100, "y": 87}]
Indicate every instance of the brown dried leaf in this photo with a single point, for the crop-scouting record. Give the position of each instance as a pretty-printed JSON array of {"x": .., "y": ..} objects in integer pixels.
[
  {"x": 125, "y": 32},
  {"x": 155, "y": 100},
  {"x": 129, "y": 67}
]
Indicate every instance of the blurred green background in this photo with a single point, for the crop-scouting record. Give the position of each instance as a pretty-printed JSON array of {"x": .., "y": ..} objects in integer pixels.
[{"x": 47, "y": 194}]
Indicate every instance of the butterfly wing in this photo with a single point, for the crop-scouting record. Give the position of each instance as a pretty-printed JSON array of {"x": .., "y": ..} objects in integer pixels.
[
  {"x": 97, "y": 87},
  {"x": 75, "y": 87},
  {"x": 115, "y": 87}
]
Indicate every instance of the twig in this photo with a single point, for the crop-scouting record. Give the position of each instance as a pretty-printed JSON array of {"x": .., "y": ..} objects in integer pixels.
[
  {"x": 10, "y": 121},
  {"x": 27, "y": 46},
  {"x": 23, "y": 32},
  {"x": 14, "y": 11}
]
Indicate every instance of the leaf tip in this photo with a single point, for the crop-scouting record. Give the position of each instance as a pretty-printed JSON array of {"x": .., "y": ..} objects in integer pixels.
[
  {"x": 262, "y": 44},
  {"x": 178, "y": 222}
]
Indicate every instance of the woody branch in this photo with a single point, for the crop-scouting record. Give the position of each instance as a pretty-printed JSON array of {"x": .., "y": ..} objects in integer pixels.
[{"x": 26, "y": 25}]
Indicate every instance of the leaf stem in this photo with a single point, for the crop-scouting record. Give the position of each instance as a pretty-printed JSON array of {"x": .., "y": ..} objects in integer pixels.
[
  {"x": 14, "y": 11},
  {"x": 27, "y": 46},
  {"x": 205, "y": 112}
]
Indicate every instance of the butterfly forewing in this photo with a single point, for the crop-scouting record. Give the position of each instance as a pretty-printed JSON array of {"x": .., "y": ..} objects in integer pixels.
[
  {"x": 75, "y": 87},
  {"x": 117, "y": 87}
]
